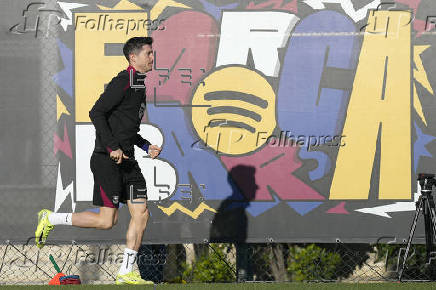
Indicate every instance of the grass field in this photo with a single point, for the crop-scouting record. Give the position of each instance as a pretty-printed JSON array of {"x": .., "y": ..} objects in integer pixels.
[{"x": 246, "y": 286}]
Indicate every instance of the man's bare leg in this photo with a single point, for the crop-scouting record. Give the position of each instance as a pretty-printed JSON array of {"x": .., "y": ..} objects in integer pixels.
[
  {"x": 138, "y": 222},
  {"x": 105, "y": 219},
  {"x": 47, "y": 219}
]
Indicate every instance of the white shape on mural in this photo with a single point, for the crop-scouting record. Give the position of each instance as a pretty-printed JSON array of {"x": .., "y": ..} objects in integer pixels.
[
  {"x": 346, "y": 5},
  {"x": 85, "y": 138},
  {"x": 262, "y": 32},
  {"x": 62, "y": 193},
  {"x": 150, "y": 133},
  {"x": 160, "y": 176},
  {"x": 159, "y": 187},
  {"x": 394, "y": 207},
  {"x": 67, "y": 7}
]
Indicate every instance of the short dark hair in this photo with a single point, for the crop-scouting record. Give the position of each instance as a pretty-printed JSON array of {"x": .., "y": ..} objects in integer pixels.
[{"x": 134, "y": 44}]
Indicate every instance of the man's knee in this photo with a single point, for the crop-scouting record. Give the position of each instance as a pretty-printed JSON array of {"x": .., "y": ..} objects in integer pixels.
[
  {"x": 106, "y": 224},
  {"x": 143, "y": 212},
  {"x": 141, "y": 216}
]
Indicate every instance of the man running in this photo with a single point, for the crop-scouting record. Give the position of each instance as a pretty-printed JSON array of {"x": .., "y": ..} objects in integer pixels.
[{"x": 116, "y": 116}]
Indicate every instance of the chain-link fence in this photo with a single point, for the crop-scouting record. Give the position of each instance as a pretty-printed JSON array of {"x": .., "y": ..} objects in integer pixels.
[{"x": 24, "y": 263}]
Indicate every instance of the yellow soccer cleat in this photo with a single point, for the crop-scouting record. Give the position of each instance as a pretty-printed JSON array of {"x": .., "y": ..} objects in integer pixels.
[
  {"x": 43, "y": 229},
  {"x": 132, "y": 278}
]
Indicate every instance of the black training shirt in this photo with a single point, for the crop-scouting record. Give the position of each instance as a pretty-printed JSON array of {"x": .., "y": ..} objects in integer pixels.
[{"x": 118, "y": 112}]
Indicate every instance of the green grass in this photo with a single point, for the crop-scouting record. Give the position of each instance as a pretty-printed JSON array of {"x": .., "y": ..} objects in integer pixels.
[{"x": 244, "y": 286}]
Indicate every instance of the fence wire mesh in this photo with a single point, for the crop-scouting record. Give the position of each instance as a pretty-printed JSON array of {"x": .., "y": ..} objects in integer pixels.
[{"x": 24, "y": 263}]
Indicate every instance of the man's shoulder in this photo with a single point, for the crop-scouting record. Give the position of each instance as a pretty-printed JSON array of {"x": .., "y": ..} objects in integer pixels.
[
  {"x": 120, "y": 80},
  {"x": 121, "y": 76}
]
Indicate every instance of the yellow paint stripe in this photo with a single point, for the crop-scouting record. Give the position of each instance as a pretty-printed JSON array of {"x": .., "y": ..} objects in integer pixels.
[{"x": 194, "y": 214}]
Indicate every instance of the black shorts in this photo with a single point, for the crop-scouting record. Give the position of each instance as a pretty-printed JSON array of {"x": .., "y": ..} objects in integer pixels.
[{"x": 115, "y": 183}]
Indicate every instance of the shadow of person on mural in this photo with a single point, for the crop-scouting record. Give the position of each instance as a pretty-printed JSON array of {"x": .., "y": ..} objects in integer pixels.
[{"x": 230, "y": 223}]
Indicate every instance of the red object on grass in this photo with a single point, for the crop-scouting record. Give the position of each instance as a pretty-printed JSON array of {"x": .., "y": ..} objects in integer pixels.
[{"x": 55, "y": 279}]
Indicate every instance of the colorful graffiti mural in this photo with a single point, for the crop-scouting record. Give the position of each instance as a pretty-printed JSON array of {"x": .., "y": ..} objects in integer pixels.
[{"x": 268, "y": 110}]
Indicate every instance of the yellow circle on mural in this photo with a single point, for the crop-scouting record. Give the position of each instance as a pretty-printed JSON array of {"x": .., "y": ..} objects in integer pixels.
[{"x": 238, "y": 110}]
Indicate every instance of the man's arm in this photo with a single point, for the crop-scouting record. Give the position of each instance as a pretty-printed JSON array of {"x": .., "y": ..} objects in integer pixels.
[
  {"x": 152, "y": 150},
  {"x": 142, "y": 143},
  {"x": 111, "y": 97}
]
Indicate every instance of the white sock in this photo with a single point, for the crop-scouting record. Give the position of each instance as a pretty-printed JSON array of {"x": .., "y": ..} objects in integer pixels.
[
  {"x": 60, "y": 218},
  {"x": 129, "y": 259}
]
